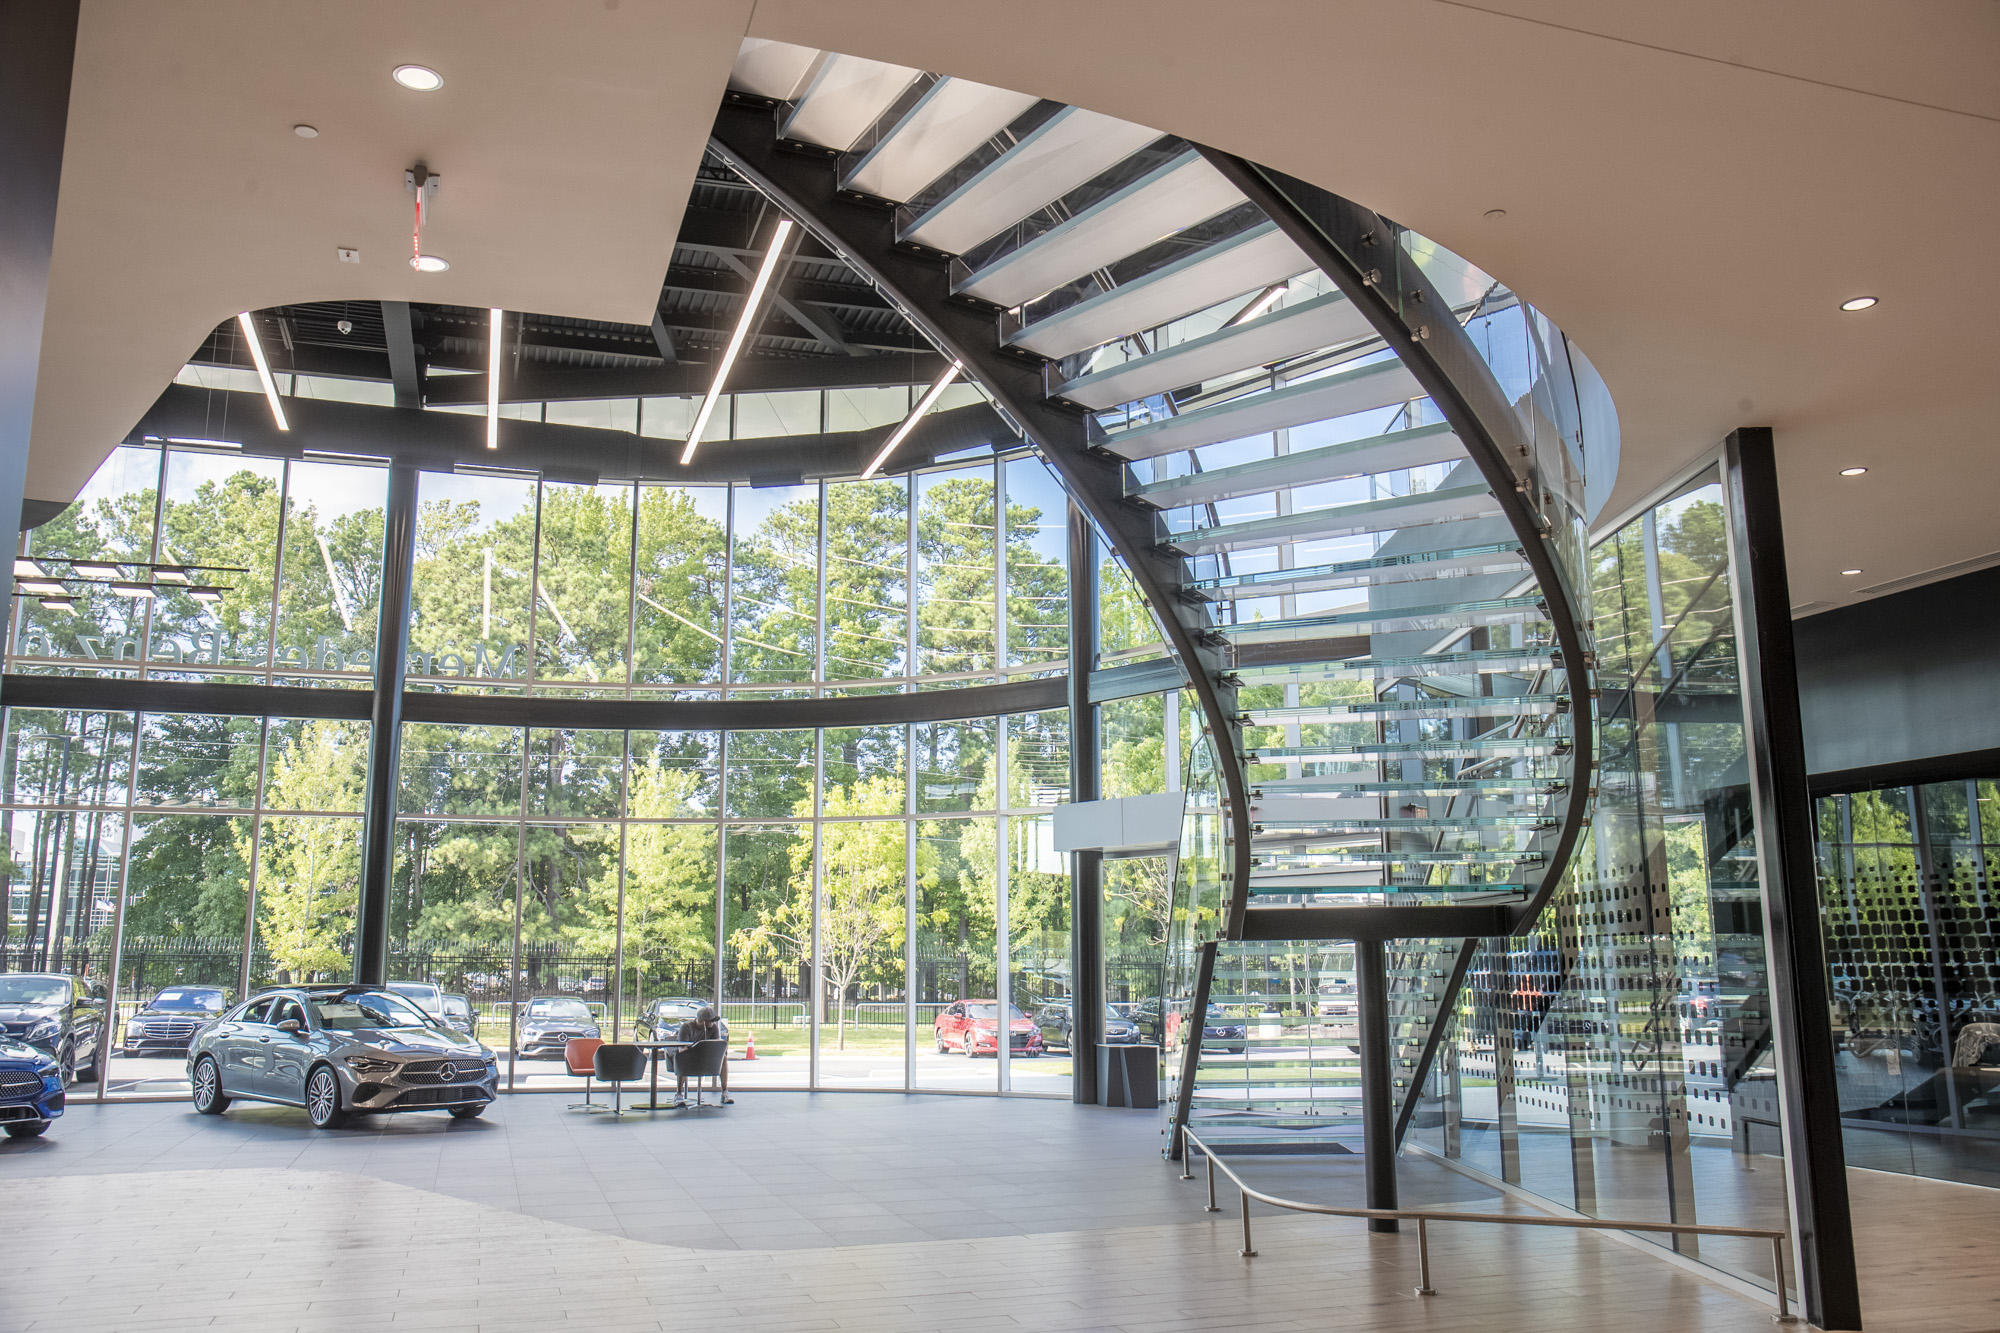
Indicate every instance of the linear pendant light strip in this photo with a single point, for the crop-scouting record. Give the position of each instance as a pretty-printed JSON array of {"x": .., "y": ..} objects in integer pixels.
[
  {"x": 263, "y": 370},
  {"x": 737, "y": 338},
  {"x": 493, "y": 378},
  {"x": 924, "y": 404}
]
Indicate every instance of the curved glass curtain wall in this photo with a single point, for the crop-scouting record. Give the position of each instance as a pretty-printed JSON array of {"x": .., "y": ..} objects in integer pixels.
[{"x": 610, "y": 868}]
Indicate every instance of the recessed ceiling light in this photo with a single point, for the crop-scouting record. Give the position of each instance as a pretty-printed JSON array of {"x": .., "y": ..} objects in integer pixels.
[
  {"x": 305, "y": 131},
  {"x": 418, "y": 78},
  {"x": 429, "y": 264},
  {"x": 1850, "y": 571},
  {"x": 1858, "y": 303},
  {"x": 1852, "y": 471}
]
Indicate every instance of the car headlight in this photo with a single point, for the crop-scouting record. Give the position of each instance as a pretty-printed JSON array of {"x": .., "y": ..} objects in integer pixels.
[
  {"x": 593, "y": 1032},
  {"x": 44, "y": 1030},
  {"x": 135, "y": 1029},
  {"x": 370, "y": 1064}
]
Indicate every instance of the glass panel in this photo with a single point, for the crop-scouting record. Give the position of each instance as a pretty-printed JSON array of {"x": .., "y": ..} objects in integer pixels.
[
  {"x": 67, "y": 758},
  {"x": 1038, "y": 895},
  {"x": 1038, "y": 759},
  {"x": 670, "y": 888},
  {"x": 330, "y": 596},
  {"x": 761, "y": 415},
  {"x": 768, "y": 969},
  {"x": 219, "y": 511},
  {"x": 1126, "y": 630},
  {"x": 867, "y": 579},
  {"x": 451, "y": 922},
  {"x": 569, "y": 946},
  {"x": 675, "y": 774},
  {"x": 469, "y": 611},
  {"x": 774, "y": 589},
  {"x": 955, "y": 572},
  {"x": 861, "y": 920},
  {"x": 584, "y": 583},
  {"x": 1037, "y": 566},
  {"x": 181, "y": 960},
  {"x": 576, "y": 774},
  {"x": 956, "y": 951},
  {"x": 865, "y": 409},
  {"x": 770, "y": 774},
  {"x": 954, "y": 762},
  {"x": 317, "y": 765},
  {"x": 465, "y": 771},
  {"x": 599, "y": 413},
  {"x": 111, "y": 519},
  {"x": 1134, "y": 745},
  {"x": 864, "y": 771},
  {"x": 198, "y": 759},
  {"x": 683, "y": 558},
  {"x": 308, "y": 883}
]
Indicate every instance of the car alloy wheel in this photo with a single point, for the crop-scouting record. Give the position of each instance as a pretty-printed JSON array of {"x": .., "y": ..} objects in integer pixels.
[
  {"x": 207, "y": 1083},
  {"x": 323, "y": 1099},
  {"x": 942, "y": 1048},
  {"x": 970, "y": 1054}
]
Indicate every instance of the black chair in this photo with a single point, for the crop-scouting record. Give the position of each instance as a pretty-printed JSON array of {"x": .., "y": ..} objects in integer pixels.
[
  {"x": 701, "y": 1060},
  {"x": 618, "y": 1063}
]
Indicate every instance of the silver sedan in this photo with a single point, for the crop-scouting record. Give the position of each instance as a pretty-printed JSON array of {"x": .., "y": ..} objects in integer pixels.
[{"x": 338, "y": 1051}]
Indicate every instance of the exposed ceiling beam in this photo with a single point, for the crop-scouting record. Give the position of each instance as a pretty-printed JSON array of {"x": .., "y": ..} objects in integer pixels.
[
  {"x": 404, "y": 372},
  {"x": 821, "y": 324},
  {"x": 662, "y": 339},
  {"x": 558, "y": 383}
]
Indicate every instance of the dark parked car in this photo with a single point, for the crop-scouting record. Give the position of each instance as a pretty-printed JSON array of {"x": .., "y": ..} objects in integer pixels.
[
  {"x": 61, "y": 1016},
  {"x": 171, "y": 1018},
  {"x": 550, "y": 1021},
  {"x": 973, "y": 1026},
  {"x": 1055, "y": 1020},
  {"x": 661, "y": 1019},
  {"x": 460, "y": 1016},
  {"x": 338, "y": 1051},
  {"x": 31, "y": 1089},
  {"x": 1218, "y": 1026}
]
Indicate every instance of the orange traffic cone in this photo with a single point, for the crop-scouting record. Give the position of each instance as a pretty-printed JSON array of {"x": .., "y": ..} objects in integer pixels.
[{"x": 750, "y": 1047}]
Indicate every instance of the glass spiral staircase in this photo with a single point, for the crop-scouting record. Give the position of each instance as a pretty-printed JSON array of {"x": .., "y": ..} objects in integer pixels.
[{"x": 1346, "y": 469}]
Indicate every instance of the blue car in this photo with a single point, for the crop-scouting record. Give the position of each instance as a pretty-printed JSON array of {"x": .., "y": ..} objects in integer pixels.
[{"x": 31, "y": 1089}]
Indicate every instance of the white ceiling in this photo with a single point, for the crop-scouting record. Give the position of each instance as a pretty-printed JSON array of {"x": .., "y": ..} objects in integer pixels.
[{"x": 1691, "y": 191}]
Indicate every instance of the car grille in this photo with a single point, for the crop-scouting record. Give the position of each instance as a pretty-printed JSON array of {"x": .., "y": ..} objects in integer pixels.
[
  {"x": 1020, "y": 1041},
  {"x": 445, "y": 1096},
  {"x": 17, "y": 1029},
  {"x": 432, "y": 1071},
  {"x": 19, "y": 1083},
  {"x": 170, "y": 1029},
  {"x": 543, "y": 1038}
]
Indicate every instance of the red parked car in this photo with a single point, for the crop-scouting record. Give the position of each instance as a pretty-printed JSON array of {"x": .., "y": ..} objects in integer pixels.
[{"x": 971, "y": 1026}]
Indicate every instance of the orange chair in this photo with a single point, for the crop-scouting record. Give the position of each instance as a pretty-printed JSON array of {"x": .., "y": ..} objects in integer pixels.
[{"x": 580, "y": 1056}]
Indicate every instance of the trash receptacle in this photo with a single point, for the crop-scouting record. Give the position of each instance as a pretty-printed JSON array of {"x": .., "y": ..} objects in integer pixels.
[{"x": 1128, "y": 1076}]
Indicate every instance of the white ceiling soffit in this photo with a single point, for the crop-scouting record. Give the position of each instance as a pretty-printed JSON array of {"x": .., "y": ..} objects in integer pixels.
[
  {"x": 566, "y": 135},
  {"x": 772, "y": 69},
  {"x": 1690, "y": 192}
]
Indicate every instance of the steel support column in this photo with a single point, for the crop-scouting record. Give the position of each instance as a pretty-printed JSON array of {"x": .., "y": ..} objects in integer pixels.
[
  {"x": 1086, "y": 881},
  {"x": 37, "y": 51},
  {"x": 1378, "y": 1112},
  {"x": 385, "y": 739},
  {"x": 1815, "y": 1163}
]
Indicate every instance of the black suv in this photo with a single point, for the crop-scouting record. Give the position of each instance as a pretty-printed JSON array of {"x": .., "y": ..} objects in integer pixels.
[
  {"x": 61, "y": 1016},
  {"x": 1055, "y": 1020},
  {"x": 170, "y": 1019}
]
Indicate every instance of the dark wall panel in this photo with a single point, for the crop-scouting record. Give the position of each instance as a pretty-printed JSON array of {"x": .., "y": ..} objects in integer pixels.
[{"x": 1906, "y": 678}]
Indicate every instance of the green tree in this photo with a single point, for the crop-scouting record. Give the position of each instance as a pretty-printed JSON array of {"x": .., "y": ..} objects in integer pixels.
[{"x": 309, "y": 868}]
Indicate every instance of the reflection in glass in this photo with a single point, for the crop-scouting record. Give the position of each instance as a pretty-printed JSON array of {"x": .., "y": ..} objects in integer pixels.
[
  {"x": 683, "y": 553},
  {"x": 219, "y": 510},
  {"x": 774, "y": 584},
  {"x": 956, "y": 572},
  {"x": 330, "y": 593},
  {"x": 1037, "y": 566},
  {"x": 471, "y": 588},
  {"x": 867, "y": 579},
  {"x": 111, "y": 519},
  {"x": 767, "y": 972},
  {"x": 956, "y": 947},
  {"x": 583, "y": 583}
]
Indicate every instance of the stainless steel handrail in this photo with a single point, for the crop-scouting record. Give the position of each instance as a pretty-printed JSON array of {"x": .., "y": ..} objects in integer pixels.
[{"x": 1423, "y": 1216}]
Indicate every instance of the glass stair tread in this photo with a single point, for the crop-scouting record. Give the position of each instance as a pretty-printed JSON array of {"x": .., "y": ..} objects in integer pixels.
[
  {"x": 1400, "y": 856},
  {"x": 1285, "y": 887},
  {"x": 1233, "y": 266},
  {"x": 1431, "y": 787},
  {"x": 1439, "y": 616},
  {"x": 1473, "y": 662},
  {"x": 1355, "y": 389},
  {"x": 1184, "y": 191},
  {"x": 846, "y": 96},
  {"x": 1395, "y": 451},
  {"x": 1334, "y": 827},
  {"x": 1396, "y": 710},
  {"x": 1450, "y": 504},
  {"x": 1056, "y": 157},
  {"x": 948, "y": 123},
  {"x": 1511, "y": 747},
  {"x": 1377, "y": 571},
  {"x": 1278, "y": 335}
]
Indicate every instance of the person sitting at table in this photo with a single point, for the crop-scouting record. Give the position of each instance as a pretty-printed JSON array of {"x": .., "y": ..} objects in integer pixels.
[{"x": 704, "y": 1026}]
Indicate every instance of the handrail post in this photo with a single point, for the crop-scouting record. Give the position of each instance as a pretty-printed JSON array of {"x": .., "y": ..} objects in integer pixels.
[
  {"x": 1785, "y": 1315},
  {"x": 1424, "y": 1287},
  {"x": 1209, "y": 1157},
  {"x": 1247, "y": 1252}
]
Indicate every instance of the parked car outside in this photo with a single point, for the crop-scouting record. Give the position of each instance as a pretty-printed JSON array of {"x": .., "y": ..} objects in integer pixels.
[
  {"x": 338, "y": 1051},
  {"x": 31, "y": 1089},
  {"x": 61, "y": 1016},
  {"x": 661, "y": 1019},
  {"x": 973, "y": 1026},
  {"x": 1056, "y": 1018},
  {"x": 1338, "y": 998},
  {"x": 423, "y": 994},
  {"x": 460, "y": 1016},
  {"x": 548, "y": 1023},
  {"x": 167, "y": 1022},
  {"x": 1158, "y": 1030}
]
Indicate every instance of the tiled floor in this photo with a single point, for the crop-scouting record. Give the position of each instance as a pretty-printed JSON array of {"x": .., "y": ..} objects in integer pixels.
[{"x": 799, "y": 1211}]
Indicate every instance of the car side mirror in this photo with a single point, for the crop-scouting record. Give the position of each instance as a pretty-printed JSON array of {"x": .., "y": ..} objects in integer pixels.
[{"x": 293, "y": 1026}]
